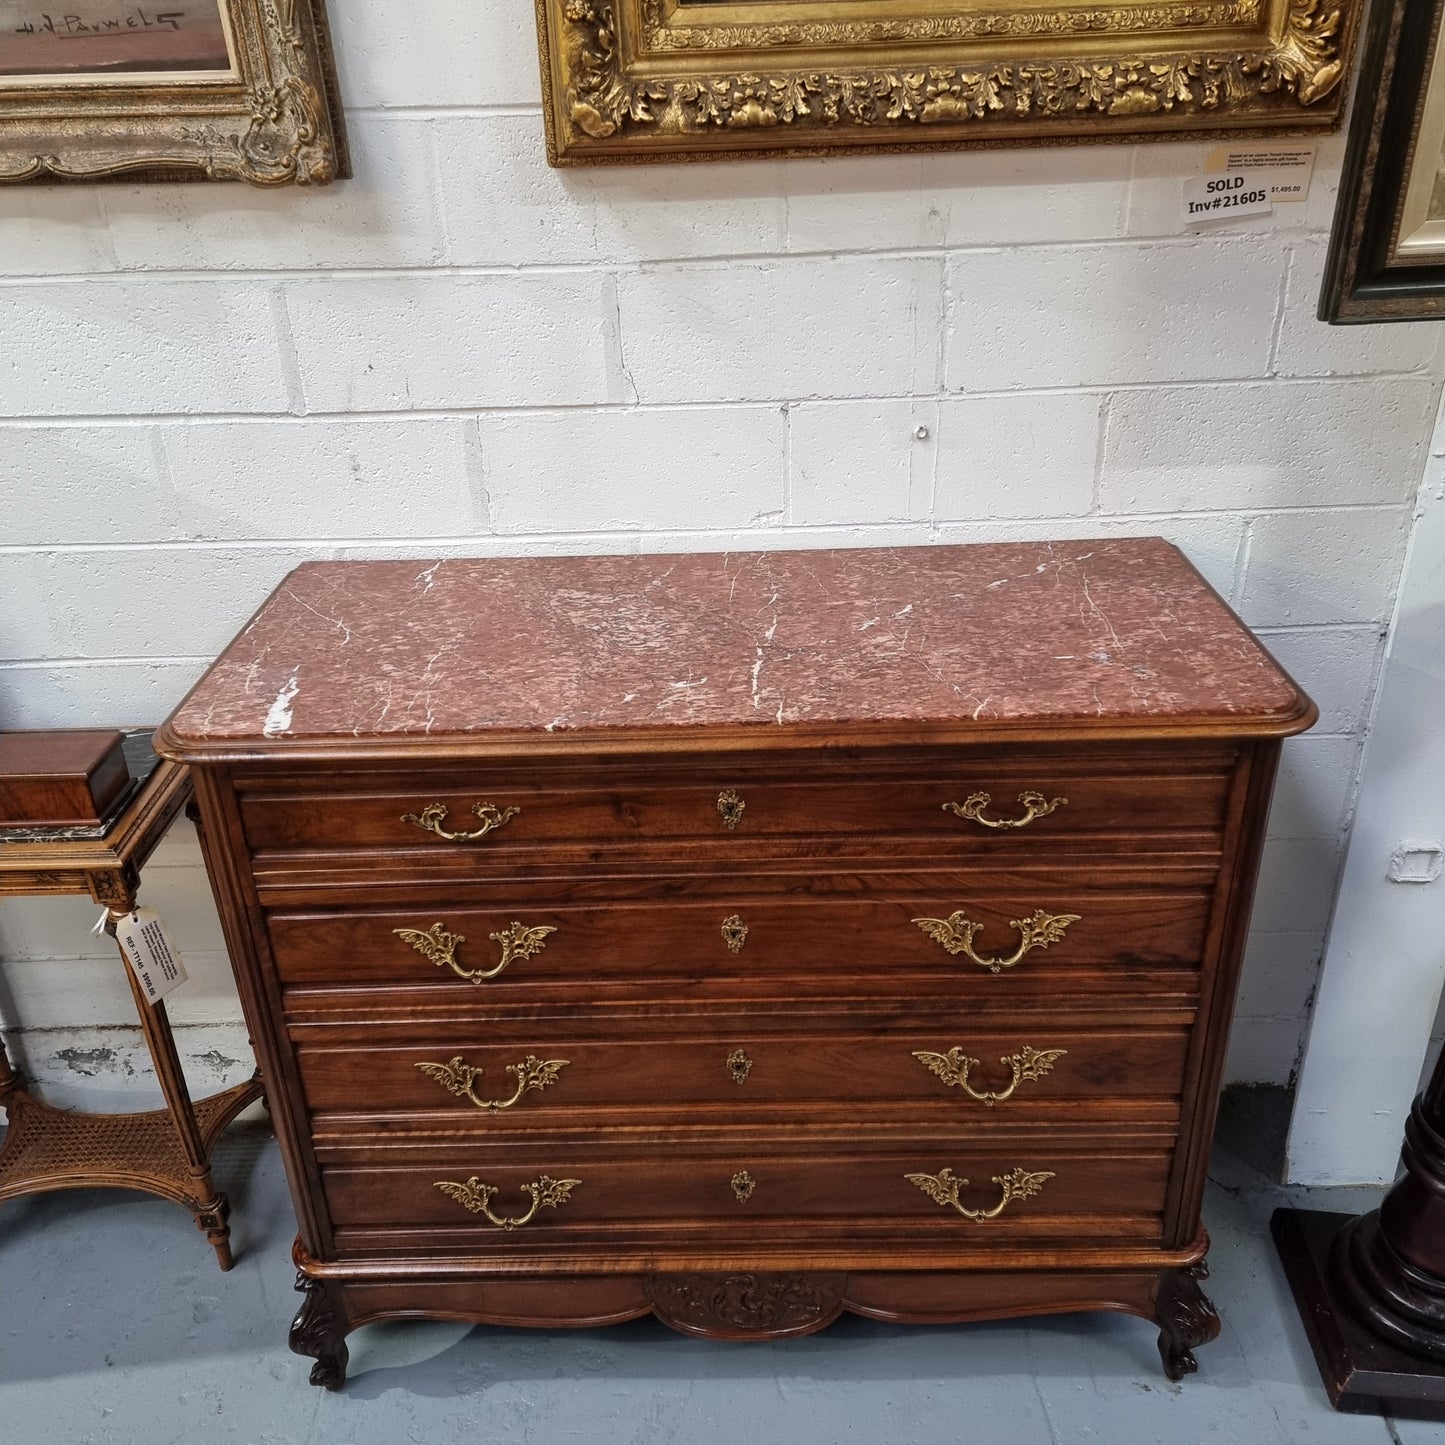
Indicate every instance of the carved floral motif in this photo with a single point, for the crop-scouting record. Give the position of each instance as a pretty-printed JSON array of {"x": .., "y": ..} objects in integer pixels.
[
  {"x": 661, "y": 31},
  {"x": 727, "y": 1303},
  {"x": 277, "y": 135},
  {"x": 1305, "y": 65}
]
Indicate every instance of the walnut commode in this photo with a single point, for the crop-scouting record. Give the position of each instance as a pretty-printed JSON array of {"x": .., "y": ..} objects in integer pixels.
[{"x": 742, "y": 938}]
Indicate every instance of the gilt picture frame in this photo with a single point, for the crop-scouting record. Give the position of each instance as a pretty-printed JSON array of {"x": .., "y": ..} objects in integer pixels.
[
  {"x": 1386, "y": 260},
  {"x": 236, "y": 90},
  {"x": 647, "y": 80}
]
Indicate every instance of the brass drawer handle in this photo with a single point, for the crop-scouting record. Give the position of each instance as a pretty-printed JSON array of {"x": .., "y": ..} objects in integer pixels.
[
  {"x": 731, "y": 807},
  {"x": 460, "y": 1079},
  {"x": 431, "y": 818},
  {"x": 739, "y": 1066},
  {"x": 1038, "y": 930},
  {"x": 1035, "y": 806},
  {"x": 743, "y": 1185},
  {"x": 440, "y": 946},
  {"x": 953, "y": 1068},
  {"x": 546, "y": 1193},
  {"x": 734, "y": 932},
  {"x": 942, "y": 1188}
]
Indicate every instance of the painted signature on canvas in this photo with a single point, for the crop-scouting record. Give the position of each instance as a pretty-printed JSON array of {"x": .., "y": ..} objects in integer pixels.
[{"x": 105, "y": 36}]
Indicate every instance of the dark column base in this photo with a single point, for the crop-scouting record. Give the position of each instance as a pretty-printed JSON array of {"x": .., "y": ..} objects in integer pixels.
[{"x": 1362, "y": 1372}]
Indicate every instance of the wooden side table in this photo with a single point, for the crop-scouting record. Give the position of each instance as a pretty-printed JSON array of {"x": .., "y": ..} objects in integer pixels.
[{"x": 163, "y": 1151}]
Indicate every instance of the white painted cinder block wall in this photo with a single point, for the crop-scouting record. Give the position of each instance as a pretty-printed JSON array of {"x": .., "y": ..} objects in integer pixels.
[{"x": 462, "y": 352}]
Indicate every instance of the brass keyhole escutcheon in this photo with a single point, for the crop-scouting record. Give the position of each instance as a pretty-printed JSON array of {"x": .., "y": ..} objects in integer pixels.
[
  {"x": 731, "y": 807},
  {"x": 734, "y": 932},
  {"x": 743, "y": 1185},
  {"x": 739, "y": 1066}
]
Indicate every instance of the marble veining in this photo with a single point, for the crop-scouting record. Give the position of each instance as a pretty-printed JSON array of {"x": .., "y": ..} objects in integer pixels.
[{"x": 1116, "y": 630}]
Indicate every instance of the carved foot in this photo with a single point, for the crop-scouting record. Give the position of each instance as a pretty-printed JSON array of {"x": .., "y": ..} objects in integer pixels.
[
  {"x": 319, "y": 1330},
  {"x": 1186, "y": 1318},
  {"x": 213, "y": 1218}
]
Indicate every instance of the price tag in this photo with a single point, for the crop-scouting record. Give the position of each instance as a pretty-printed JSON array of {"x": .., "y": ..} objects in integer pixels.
[
  {"x": 154, "y": 961},
  {"x": 1285, "y": 169},
  {"x": 1225, "y": 198}
]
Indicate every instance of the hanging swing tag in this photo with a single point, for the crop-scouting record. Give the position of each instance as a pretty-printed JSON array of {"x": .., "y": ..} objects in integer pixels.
[{"x": 155, "y": 963}]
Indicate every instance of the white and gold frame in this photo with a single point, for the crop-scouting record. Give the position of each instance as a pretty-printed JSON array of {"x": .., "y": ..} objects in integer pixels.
[
  {"x": 631, "y": 80},
  {"x": 235, "y": 90}
]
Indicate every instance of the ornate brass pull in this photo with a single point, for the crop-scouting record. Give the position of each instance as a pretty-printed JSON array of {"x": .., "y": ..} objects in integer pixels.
[
  {"x": 1038, "y": 930},
  {"x": 942, "y": 1188},
  {"x": 734, "y": 932},
  {"x": 731, "y": 807},
  {"x": 431, "y": 818},
  {"x": 477, "y": 1197},
  {"x": 743, "y": 1185},
  {"x": 739, "y": 1066},
  {"x": 953, "y": 1067},
  {"x": 440, "y": 946},
  {"x": 460, "y": 1079},
  {"x": 1035, "y": 806}
]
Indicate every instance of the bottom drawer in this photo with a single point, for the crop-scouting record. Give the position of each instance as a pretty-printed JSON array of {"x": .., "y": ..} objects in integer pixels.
[{"x": 470, "y": 1197}]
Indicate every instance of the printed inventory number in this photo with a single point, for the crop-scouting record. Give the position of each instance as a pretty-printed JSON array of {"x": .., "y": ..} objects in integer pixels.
[{"x": 1224, "y": 197}]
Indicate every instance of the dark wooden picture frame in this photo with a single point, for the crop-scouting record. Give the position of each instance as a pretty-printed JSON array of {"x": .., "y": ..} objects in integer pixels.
[{"x": 1369, "y": 274}]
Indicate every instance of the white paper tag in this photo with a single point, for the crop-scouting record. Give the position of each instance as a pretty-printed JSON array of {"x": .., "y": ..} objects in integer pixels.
[
  {"x": 1225, "y": 198},
  {"x": 1285, "y": 169},
  {"x": 154, "y": 961}
]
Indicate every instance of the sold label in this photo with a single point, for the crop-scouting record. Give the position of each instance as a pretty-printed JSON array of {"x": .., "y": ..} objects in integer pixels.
[{"x": 1225, "y": 198}]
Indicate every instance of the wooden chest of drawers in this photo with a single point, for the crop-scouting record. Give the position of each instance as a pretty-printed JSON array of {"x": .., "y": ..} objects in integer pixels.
[{"x": 742, "y": 938}]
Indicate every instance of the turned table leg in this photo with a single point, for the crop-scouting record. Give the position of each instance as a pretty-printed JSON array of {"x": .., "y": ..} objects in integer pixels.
[{"x": 209, "y": 1205}]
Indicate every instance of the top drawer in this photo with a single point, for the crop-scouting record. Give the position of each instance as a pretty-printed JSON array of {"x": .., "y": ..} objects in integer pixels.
[{"x": 1017, "y": 799}]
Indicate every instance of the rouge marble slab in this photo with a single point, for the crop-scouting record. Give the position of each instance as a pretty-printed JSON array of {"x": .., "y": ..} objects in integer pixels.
[{"x": 975, "y": 643}]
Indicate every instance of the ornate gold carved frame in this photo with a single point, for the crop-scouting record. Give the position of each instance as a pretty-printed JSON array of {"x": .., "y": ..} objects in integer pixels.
[
  {"x": 272, "y": 120},
  {"x": 627, "y": 80}
]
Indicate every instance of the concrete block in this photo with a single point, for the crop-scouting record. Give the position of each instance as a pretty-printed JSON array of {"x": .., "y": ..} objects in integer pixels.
[
  {"x": 655, "y": 213},
  {"x": 791, "y": 539},
  {"x": 1272, "y": 444},
  {"x": 634, "y": 469},
  {"x": 142, "y": 602},
  {"x": 1263, "y": 1051},
  {"x": 450, "y": 341},
  {"x": 781, "y": 330},
  {"x": 31, "y": 626},
  {"x": 1337, "y": 666},
  {"x": 1029, "y": 455},
  {"x": 359, "y": 477},
  {"x": 1028, "y": 196},
  {"x": 861, "y": 461},
  {"x": 445, "y": 54},
  {"x": 860, "y": 203},
  {"x": 1315, "y": 787},
  {"x": 1279, "y": 974},
  {"x": 124, "y": 346},
  {"x": 1308, "y": 346},
  {"x": 53, "y": 230},
  {"x": 502, "y": 205},
  {"x": 82, "y": 484},
  {"x": 385, "y": 215},
  {"x": 1297, "y": 880},
  {"x": 1323, "y": 567},
  {"x": 76, "y": 695},
  {"x": 1100, "y": 314}
]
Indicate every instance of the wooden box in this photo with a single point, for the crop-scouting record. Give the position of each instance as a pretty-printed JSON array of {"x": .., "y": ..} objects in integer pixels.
[{"x": 63, "y": 778}]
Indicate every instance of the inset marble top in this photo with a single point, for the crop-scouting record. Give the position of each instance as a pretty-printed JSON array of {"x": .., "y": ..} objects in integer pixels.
[{"x": 939, "y": 643}]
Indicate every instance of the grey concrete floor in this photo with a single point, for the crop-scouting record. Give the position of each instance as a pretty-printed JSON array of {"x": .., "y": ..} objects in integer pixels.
[{"x": 115, "y": 1326}]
